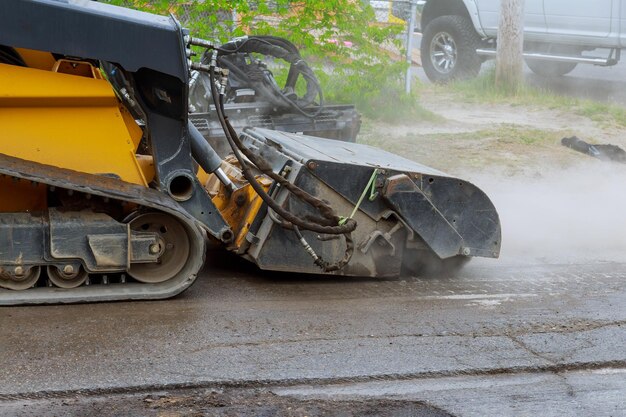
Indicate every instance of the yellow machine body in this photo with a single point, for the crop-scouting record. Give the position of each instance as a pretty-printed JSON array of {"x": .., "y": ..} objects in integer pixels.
[
  {"x": 78, "y": 216},
  {"x": 240, "y": 209},
  {"x": 66, "y": 116}
]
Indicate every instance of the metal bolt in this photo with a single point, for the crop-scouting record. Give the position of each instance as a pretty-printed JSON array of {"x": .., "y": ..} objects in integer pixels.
[
  {"x": 466, "y": 251},
  {"x": 155, "y": 248},
  {"x": 68, "y": 269},
  {"x": 18, "y": 271},
  {"x": 311, "y": 165},
  {"x": 240, "y": 200},
  {"x": 227, "y": 236},
  {"x": 285, "y": 171}
]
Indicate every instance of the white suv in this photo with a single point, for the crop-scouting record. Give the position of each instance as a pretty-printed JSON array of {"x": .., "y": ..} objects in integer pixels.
[{"x": 458, "y": 35}]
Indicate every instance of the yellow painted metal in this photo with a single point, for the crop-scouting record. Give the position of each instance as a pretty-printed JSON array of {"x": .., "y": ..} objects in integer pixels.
[
  {"x": 20, "y": 195},
  {"x": 134, "y": 131},
  {"x": 255, "y": 204},
  {"x": 146, "y": 162},
  {"x": 80, "y": 68},
  {"x": 67, "y": 121},
  {"x": 37, "y": 59},
  {"x": 240, "y": 208}
]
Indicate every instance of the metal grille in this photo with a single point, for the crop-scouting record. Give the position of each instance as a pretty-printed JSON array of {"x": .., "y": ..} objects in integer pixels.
[
  {"x": 261, "y": 121},
  {"x": 200, "y": 124}
]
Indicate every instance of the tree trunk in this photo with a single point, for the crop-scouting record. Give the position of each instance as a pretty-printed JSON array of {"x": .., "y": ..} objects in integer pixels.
[{"x": 509, "y": 58}]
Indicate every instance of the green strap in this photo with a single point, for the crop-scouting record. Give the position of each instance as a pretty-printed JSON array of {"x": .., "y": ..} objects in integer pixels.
[{"x": 371, "y": 186}]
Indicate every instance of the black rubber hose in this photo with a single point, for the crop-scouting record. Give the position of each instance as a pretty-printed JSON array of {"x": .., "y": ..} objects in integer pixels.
[
  {"x": 327, "y": 211},
  {"x": 282, "y": 49},
  {"x": 237, "y": 146}
]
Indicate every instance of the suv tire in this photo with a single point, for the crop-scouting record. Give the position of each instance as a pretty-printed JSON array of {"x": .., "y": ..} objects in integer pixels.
[
  {"x": 552, "y": 68},
  {"x": 448, "y": 49}
]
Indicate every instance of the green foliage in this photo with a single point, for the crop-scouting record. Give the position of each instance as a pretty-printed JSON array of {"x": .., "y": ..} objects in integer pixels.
[{"x": 337, "y": 37}]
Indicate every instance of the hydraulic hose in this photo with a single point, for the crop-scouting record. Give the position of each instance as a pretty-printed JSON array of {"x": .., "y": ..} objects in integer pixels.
[
  {"x": 328, "y": 225},
  {"x": 281, "y": 49}
]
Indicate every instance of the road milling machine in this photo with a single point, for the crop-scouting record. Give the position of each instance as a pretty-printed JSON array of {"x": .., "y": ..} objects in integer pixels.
[{"x": 108, "y": 192}]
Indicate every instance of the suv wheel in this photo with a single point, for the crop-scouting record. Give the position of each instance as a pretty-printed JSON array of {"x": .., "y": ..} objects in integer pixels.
[
  {"x": 449, "y": 49},
  {"x": 552, "y": 68}
]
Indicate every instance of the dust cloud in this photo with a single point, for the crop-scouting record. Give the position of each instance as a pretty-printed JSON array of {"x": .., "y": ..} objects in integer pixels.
[{"x": 572, "y": 215}]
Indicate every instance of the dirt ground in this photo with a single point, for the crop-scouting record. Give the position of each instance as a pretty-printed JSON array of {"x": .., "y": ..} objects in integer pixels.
[
  {"x": 555, "y": 204},
  {"x": 468, "y": 138},
  {"x": 222, "y": 403}
]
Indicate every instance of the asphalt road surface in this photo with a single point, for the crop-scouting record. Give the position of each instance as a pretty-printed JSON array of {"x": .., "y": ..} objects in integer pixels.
[{"x": 497, "y": 339}]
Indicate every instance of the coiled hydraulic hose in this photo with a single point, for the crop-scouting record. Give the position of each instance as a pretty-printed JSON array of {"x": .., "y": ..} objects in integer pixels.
[
  {"x": 281, "y": 49},
  {"x": 330, "y": 221}
]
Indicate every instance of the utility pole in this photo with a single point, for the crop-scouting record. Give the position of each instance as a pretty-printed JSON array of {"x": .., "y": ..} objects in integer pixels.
[
  {"x": 409, "y": 45},
  {"x": 509, "y": 57}
]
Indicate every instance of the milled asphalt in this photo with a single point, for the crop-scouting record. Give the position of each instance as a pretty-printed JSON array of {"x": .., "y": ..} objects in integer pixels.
[
  {"x": 571, "y": 393},
  {"x": 521, "y": 324}
]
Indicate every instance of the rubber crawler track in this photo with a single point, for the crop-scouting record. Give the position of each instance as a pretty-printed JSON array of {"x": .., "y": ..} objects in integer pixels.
[{"x": 106, "y": 187}]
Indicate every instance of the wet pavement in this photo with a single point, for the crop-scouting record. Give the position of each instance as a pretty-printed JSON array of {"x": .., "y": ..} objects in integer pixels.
[
  {"x": 499, "y": 339},
  {"x": 497, "y": 330}
]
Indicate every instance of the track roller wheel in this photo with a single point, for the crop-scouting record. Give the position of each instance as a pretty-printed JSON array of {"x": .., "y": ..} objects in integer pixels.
[
  {"x": 174, "y": 246},
  {"x": 67, "y": 278},
  {"x": 20, "y": 280}
]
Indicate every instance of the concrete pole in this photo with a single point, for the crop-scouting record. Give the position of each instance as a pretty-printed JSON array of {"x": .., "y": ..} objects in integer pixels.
[
  {"x": 409, "y": 45},
  {"x": 509, "y": 58}
]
